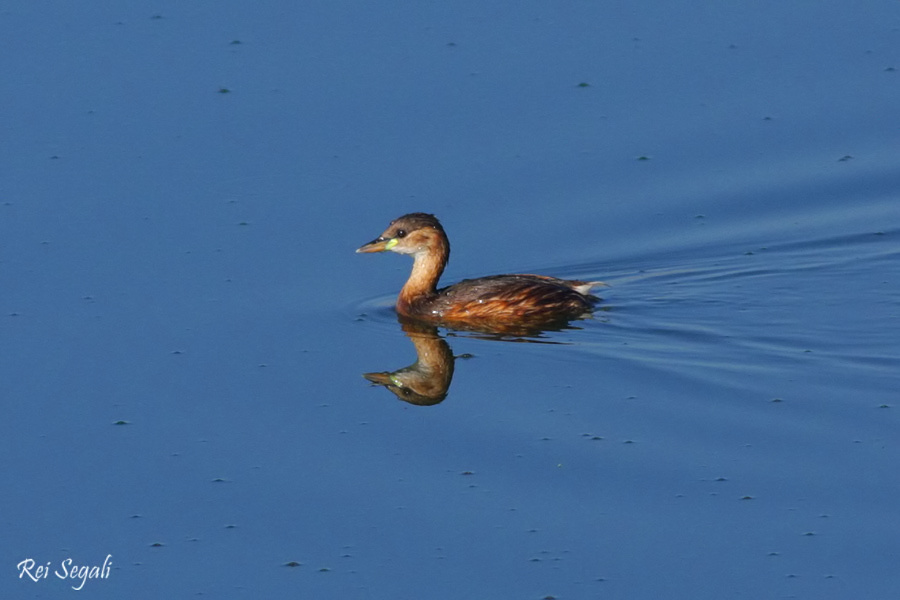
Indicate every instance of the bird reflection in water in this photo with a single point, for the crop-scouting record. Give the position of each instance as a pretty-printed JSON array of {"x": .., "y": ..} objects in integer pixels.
[{"x": 427, "y": 381}]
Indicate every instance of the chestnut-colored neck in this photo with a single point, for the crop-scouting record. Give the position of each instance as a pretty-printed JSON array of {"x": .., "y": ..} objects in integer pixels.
[{"x": 428, "y": 264}]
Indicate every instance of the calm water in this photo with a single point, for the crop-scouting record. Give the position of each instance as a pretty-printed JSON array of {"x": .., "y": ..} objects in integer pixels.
[{"x": 185, "y": 326}]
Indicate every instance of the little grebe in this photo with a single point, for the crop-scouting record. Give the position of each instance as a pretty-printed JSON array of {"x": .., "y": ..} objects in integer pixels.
[{"x": 498, "y": 299}]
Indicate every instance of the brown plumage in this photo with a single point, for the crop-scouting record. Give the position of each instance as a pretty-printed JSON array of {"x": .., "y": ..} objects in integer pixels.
[{"x": 484, "y": 303}]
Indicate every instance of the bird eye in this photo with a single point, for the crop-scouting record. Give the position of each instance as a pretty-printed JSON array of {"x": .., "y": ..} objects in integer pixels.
[{"x": 401, "y": 233}]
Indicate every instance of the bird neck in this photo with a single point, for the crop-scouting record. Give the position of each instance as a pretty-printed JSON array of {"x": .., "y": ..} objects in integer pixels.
[{"x": 428, "y": 265}]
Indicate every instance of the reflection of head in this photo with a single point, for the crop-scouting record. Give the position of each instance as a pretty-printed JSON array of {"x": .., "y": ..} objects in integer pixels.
[
  {"x": 406, "y": 386},
  {"x": 426, "y": 381}
]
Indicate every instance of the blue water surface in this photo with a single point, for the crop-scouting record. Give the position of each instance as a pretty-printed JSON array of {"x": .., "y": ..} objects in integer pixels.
[{"x": 185, "y": 325}]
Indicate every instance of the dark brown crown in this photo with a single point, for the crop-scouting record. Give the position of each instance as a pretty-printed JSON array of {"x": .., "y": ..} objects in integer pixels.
[{"x": 414, "y": 221}]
